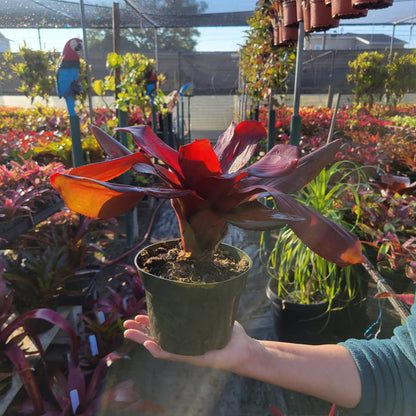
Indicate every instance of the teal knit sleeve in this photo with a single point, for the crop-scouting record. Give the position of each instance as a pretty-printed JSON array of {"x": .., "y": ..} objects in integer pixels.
[{"x": 388, "y": 371}]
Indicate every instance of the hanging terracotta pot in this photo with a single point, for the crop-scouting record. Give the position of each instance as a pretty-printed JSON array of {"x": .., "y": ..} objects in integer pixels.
[
  {"x": 290, "y": 13},
  {"x": 321, "y": 18},
  {"x": 299, "y": 10},
  {"x": 289, "y": 35},
  {"x": 276, "y": 38},
  {"x": 342, "y": 9},
  {"x": 371, "y": 4},
  {"x": 306, "y": 12}
]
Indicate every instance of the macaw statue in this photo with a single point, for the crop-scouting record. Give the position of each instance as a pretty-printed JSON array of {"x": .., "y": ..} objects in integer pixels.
[
  {"x": 67, "y": 72},
  {"x": 151, "y": 85}
]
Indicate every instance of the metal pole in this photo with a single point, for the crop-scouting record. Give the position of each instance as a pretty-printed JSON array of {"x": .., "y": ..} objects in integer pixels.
[
  {"x": 270, "y": 143},
  {"x": 40, "y": 39},
  {"x": 178, "y": 125},
  {"x": 154, "y": 119},
  {"x": 391, "y": 43},
  {"x": 116, "y": 45},
  {"x": 84, "y": 35},
  {"x": 156, "y": 50},
  {"x": 77, "y": 156},
  {"x": 122, "y": 118},
  {"x": 334, "y": 118},
  {"x": 295, "y": 122},
  {"x": 183, "y": 121},
  {"x": 189, "y": 118}
]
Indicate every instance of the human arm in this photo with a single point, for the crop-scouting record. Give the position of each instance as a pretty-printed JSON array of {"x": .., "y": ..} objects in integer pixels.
[
  {"x": 328, "y": 371},
  {"x": 387, "y": 369}
]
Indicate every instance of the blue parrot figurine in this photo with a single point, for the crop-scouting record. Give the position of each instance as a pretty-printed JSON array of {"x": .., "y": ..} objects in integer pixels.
[{"x": 67, "y": 83}]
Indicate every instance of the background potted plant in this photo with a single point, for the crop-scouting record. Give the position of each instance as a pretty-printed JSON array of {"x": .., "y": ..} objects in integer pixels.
[
  {"x": 78, "y": 393},
  {"x": 54, "y": 264},
  {"x": 306, "y": 290},
  {"x": 209, "y": 188},
  {"x": 12, "y": 333},
  {"x": 26, "y": 196}
]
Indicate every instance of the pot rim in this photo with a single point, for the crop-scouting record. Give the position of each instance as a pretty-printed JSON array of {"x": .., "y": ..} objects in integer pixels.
[{"x": 187, "y": 284}]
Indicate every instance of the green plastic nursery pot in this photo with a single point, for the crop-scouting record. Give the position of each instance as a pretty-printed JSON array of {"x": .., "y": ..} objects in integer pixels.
[{"x": 192, "y": 318}]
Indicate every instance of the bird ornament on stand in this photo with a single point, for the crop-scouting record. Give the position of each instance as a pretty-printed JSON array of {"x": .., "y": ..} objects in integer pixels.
[{"x": 67, "y": 82}]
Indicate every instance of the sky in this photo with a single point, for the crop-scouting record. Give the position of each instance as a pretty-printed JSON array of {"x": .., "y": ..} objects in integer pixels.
[{"x": 211, "y": 39}]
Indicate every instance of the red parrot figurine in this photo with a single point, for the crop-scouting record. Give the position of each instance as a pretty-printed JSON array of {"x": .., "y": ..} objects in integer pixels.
[{"x": 67, "y": 82}]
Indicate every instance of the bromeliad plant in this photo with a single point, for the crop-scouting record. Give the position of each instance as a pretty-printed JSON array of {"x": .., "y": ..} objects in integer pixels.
[{"x": 211, "y": 187}]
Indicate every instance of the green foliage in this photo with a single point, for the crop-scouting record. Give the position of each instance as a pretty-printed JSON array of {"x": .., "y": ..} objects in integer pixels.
[
  {"x": 264, "y": 67},
  {"x": 62, "y": 150},
  {"x": 368, "y": 73},
  {"x": 135, "y": 71},
  {"x": 404, "y": 121},
  {"x": 302, "y": 275},
  {"x": 36, "y": 70},
  {"x": 375, "y": 78},
  {"x": 401, "y": 77}
]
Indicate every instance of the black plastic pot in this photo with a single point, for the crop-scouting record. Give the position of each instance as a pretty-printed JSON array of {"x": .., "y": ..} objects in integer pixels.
[
  {"x": 296, "y": 322},
  {"x": 314, "y": 323},
  {"x": 192, "y": 318}
]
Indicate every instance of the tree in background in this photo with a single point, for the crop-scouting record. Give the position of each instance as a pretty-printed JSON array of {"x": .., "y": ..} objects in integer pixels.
[
  {"x": 374, "y": 77},
  {"x": 143, "y": 39},
  {"x": 101, "y": 40},
  {"x": 368, "y": 73},
  {"x": 35, "y": 69},
  {"x": 401, "y": 77}
]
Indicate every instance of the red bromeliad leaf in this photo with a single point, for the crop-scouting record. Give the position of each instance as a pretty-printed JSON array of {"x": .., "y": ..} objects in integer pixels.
[
  {"x": 324, "y": 237},
  {"x": 22, "y": 365},
  {"x": 218, "y": 188},
  {"x": 49, "y": 316},
  {"x": 165, "y": 175},
  {"x": 104, "y": 200},
  {"x": 307, "y": 169},
  {"x": 404, "y": 297},
  {"x": 238, "y": 144},
  {"x": 198, "y": 161},
  {"x": 255, "y": 216},
  {"x": 96, "y": 199},
  {"x": 280, "y": 161},
  {"x": 111, "y": 147},
  {"x": 76, "y": 381},
  {"x": 110, "y": 169},
  {"x": 114, "y": 149},
  {"x": 147, "y": 140}
]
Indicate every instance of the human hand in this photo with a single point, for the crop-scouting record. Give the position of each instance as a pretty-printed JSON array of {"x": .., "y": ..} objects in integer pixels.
[{"x": 232, "y": 357}]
